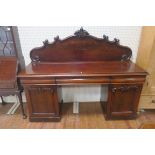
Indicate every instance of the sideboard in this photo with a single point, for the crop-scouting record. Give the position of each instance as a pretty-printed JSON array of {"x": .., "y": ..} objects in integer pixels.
[{"x": 82, "y": 59}]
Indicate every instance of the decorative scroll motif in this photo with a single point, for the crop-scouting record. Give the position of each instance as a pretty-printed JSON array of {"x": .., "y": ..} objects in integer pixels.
[
  {"x": 125, "y": 57},
  {"x": 36, "y": 58},
  {"x": 46, "y": 43},
  {"x": 56, "y": 39},
  {"x": 81, "y": 33},
  {"x": 106, "y": 38},
  {"x": 125, "y": 88},
  {"x": 116, "y": 41}
]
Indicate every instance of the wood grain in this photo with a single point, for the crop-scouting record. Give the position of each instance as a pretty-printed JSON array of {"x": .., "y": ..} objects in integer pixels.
[{"x": 90, "y": 117}]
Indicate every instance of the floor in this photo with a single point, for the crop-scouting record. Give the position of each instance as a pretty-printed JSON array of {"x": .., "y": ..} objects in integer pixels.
[
  {"x": 90, "y": 117},
  {"x": 5, "y": 108}
]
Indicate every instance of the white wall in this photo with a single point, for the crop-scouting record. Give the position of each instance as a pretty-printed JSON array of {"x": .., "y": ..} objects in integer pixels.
[{"x": 31, "y": 37}]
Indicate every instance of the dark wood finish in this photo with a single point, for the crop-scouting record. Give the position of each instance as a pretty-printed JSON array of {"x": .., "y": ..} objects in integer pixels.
[
  {"x": 43, "y": 103},
  {"x": 81, "y": 47},
  {"x": 8, "y": 79},
  {"x": 77, "y": 60},
  {"x": 123, "y": 100},
  {"x": 115, "y": 69}
]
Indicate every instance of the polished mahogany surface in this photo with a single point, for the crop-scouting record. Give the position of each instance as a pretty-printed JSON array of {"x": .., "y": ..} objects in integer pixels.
[
  {"x": 82, "y": 59},
  {"x": 106, "y": 68}
]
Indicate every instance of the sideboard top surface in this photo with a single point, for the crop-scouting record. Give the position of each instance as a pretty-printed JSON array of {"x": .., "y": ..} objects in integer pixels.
[{"x": 83, "y": 69}]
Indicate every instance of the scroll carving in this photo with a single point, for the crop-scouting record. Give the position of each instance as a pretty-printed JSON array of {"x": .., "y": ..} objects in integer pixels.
[
  {"x": 81, "y": 33},
  {"x": 106, "y": 38},
  {"x": 56, "y": 39},
  {"x": 126, "y": 57},
  {"x": 46, "y": 43},
  {"x": 35, "y": 59},
  {"x": 125, "y": 88}
]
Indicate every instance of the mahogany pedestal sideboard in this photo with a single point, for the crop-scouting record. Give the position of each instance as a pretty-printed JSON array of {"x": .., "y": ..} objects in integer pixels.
[{"x": 82, "y": 59}]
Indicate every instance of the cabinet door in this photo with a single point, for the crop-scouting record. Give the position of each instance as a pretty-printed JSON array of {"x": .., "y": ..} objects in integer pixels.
[
  {"x": 123, "y": 100},
  {"x": 42, "y": 102}
]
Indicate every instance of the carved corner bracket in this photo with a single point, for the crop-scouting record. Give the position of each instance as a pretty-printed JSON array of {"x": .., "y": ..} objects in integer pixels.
[
  {"x": 126, "y": 57},
  {"x": 125, "y": 88},
  {"x": 35, "y": 59},
  {"x": 46, "y": 43}
]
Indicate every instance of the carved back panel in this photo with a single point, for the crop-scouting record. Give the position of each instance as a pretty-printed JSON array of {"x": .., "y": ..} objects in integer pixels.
[{"x": 81, "y": 47}]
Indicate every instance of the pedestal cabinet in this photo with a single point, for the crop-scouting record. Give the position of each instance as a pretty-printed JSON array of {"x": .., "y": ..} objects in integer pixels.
[
  {"x": 43, "y": 103},
  {"x": 43, "y": 99},
  {"x": 123, "y": 100}
]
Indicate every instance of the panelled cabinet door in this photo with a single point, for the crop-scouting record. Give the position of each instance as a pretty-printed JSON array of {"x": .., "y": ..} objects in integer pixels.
[
  {"x": 42, "y": 102},
  {"x": 123, "y": 100}
]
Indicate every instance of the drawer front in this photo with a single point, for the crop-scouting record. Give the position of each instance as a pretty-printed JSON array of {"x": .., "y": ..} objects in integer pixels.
[
  {"x": 147, "y": 102},
  {"x": 134, "y": 79},
  {"x": 37, "y": 81},
  {"x": 63, "y": 81}
]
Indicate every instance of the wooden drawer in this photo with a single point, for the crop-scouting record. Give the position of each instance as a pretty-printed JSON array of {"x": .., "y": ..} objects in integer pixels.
[
  {"x": 38, "y": 81},
  {"x": 78, "y": 81},
  {"x": 147, "y": 102}
]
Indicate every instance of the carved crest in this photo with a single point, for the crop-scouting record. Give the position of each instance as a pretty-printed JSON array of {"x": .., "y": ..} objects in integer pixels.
[
  {"x": 36, "y": 59},
  {"x": 81, "y": 47},
  {"x": 116, "y": 41},
  {"x": 56, "y": 39},
  {"x": 81, "y": 33},
  {"x": 106, "y": 38}
]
